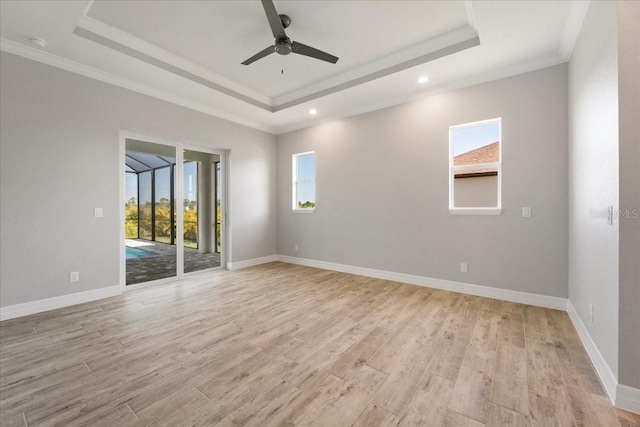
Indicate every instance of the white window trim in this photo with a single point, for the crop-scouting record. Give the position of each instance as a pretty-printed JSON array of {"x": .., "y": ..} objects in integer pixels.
[
  {"x": 294, "y": 181},
  {"x": 452, "y": 169},
  {"x": 475, "y": 211}
]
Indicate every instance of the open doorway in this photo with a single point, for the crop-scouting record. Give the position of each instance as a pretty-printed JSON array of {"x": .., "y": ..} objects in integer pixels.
[{"x": 173, "y": 210}]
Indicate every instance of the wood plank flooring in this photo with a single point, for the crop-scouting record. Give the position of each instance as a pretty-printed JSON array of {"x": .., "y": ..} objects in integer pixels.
[{"x": 280, "y": 344}]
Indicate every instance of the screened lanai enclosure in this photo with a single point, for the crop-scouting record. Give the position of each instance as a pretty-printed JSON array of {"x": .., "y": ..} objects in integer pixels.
[{"x": 156, "y": 248}]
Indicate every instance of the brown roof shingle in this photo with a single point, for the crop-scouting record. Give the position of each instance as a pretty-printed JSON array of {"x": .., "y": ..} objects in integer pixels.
[{"x": 489, "y": 153}]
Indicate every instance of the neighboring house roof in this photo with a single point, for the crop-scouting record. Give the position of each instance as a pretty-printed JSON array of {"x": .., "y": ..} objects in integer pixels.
[{"x": 489, "y": 153}]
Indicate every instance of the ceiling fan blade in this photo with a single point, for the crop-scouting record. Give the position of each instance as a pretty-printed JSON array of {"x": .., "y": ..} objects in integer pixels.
[
  {"x": 274, "y": 19},
  {"x": 267, "y": 51},
  {"x": 303, "y": 49}
]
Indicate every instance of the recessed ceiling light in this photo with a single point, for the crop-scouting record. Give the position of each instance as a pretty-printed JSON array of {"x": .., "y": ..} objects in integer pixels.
[
  {"x": 38, "y": 42},
  {"x": 423, "y": 79},
  {"x": 313, "y": 111}
]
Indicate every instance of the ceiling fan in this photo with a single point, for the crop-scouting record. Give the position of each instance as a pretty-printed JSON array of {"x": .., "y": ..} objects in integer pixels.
[{"x": 283, "y": 44}]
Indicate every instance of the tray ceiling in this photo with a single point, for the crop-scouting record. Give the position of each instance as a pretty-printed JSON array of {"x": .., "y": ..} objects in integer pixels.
[{"x": 189, "y": 52}]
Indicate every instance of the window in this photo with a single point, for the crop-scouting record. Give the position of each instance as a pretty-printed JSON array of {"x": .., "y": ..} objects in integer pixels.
[
  {"x": 304, "y": 182},
  {"x": 475, "y": 168}
]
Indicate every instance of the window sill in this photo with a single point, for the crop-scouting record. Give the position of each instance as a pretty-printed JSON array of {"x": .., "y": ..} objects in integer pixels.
[
  {"x": 303, "y": 211},
  {"x": 475, "y": 211}
]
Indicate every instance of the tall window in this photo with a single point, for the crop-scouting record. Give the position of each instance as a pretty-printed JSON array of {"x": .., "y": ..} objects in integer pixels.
[
  {"x": 304, "y": 182},
  {"x": 475, "y": 168}
]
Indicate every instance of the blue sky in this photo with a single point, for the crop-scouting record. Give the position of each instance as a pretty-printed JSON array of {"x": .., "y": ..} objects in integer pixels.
[
  {"x": 131, "y": 184},
  {"x": 306, "y": 170},
  {"x": 470, "y": 138}
]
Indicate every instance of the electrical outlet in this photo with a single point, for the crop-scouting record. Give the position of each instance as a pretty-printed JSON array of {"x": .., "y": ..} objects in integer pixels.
[
  {"x": 97, "y": 213},
  {"x": 295, "y": 247},
  {"x": 74, "y": 276},
  {"x": 591, "y": 311},
  {"x": 463, "y": 267},
  {"x": 526, "y": 212}
]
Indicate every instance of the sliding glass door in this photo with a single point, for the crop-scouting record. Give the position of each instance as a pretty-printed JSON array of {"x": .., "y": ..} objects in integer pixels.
[
  {"x": 199, "y": 211},
  {"x": 172, "y": 210},
  {"x": 150, "y": 250}
]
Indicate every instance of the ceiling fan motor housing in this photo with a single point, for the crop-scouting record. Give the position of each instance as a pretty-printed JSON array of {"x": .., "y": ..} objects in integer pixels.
[{"x": 283, "y": 46}]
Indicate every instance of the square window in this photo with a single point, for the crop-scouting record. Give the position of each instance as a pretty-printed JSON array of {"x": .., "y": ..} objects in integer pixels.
[
  {"x": 304, "y": 182},
  {"x": 475, "y": 167}
]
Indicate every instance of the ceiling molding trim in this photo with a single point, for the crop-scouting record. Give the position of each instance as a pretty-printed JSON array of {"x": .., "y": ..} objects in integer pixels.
[
  {"x": 93, "y": 73},
  {"x": 88, "y": 7},
  {"x": 438, "y": 47},
  {"x": 471, "y": 17},
  {"x": 445, "y": 44},
  {"x": 577, "y": 12},
  {"x": 501, "y": 73},
  {"x": 141, "y": 56},
  {"x": 385, "y": 72},
  {"x": 121, "y": 37}
]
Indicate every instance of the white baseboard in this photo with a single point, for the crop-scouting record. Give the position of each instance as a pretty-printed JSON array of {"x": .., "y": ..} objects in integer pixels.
[
  {"x": 27, "y": 308},
  {"x": 251, "y": 262},
  {"x": 33, "y": 307},
  {"x": 628, "y": 398},
  {"x": 624, "y": 397},
  {"x": 605, "y": 373},
  {"x": 448, "y": 285}
]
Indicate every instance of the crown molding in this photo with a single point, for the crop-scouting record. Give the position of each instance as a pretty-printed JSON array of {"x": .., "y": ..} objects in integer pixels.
[
  {"x": 84, "y": 70},
  {"x": 471, "y": 17},
  {"x": 446, "y": 44},
  {"x": 74, "y": 67},
  {"x": 123, "y": 42},
  {"x": 501, "y": 73},
  {"x": 577, "y": 12}
]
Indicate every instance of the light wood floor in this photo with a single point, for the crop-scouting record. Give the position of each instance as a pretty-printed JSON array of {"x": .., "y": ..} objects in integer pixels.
[{"x": 286, "y": 345}]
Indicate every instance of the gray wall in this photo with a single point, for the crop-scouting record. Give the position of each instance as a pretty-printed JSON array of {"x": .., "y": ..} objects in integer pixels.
[
  {"x": 478, "y": 192},
  {"x": 629, "y": 104},
  {"x": 382, "y": 188},
  {"x": 59, "y": 149},
  {"x": 593, "y": 176}
]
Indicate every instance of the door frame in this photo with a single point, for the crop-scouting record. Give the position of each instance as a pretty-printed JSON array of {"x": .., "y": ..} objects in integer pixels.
[{"x": 180, "y": 146}]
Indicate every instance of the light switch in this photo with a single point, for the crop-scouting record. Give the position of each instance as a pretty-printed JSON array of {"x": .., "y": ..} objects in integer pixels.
[
  {"x": 97, "y": 212},
  {"x": 526, "y": 212}
]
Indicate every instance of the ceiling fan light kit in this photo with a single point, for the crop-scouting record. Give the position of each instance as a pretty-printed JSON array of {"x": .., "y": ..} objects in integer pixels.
[{"x": 283, "y": 44}]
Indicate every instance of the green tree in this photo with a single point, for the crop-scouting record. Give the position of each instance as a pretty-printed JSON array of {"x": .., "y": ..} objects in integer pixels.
[
  {"x": 306, "y": 205},
  {"x": 131, "y": 218}
]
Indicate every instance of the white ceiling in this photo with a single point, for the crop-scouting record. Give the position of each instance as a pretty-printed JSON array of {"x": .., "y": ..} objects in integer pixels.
[{"x": 189, "y": 52}]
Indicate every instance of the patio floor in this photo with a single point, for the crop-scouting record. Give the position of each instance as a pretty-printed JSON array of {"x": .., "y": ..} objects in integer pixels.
[{"x": 162, "y": 263}]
